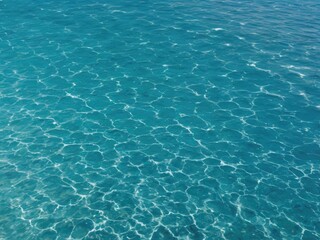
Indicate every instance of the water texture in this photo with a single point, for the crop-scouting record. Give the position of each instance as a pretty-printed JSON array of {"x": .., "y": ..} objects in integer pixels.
[{"x": 159, "y": 119}]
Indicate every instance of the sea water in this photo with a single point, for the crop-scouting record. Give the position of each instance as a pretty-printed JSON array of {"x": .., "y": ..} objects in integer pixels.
[{"x": 159, "y": 119}]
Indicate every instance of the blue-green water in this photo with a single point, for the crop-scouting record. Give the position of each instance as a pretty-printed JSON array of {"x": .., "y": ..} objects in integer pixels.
[{"x": 159, "y": 119}]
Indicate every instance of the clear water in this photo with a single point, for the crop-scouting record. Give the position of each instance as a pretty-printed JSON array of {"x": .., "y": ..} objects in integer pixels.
[{"x": 159, "y": 119}]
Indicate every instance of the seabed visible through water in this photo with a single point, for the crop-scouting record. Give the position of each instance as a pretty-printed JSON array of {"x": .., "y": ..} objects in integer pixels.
[{"x": 159, "y": 119}]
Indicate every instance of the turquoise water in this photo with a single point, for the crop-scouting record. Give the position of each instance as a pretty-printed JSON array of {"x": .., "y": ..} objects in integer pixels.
[{"x": 159, "y": 119}]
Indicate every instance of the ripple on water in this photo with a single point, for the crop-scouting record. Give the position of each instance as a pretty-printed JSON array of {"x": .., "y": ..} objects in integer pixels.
[{"x": 180, "y": 120}]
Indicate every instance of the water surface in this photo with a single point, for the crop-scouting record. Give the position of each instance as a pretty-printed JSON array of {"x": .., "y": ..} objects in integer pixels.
[{"x": 159, "y": 119}]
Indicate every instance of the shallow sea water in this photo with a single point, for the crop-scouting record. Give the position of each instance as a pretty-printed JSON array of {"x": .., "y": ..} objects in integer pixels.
[{"x": 159, "y": 119}]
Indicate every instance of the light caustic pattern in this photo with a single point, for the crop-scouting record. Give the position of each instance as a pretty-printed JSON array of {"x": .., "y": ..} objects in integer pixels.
[{"x": 159, "y": 119}]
